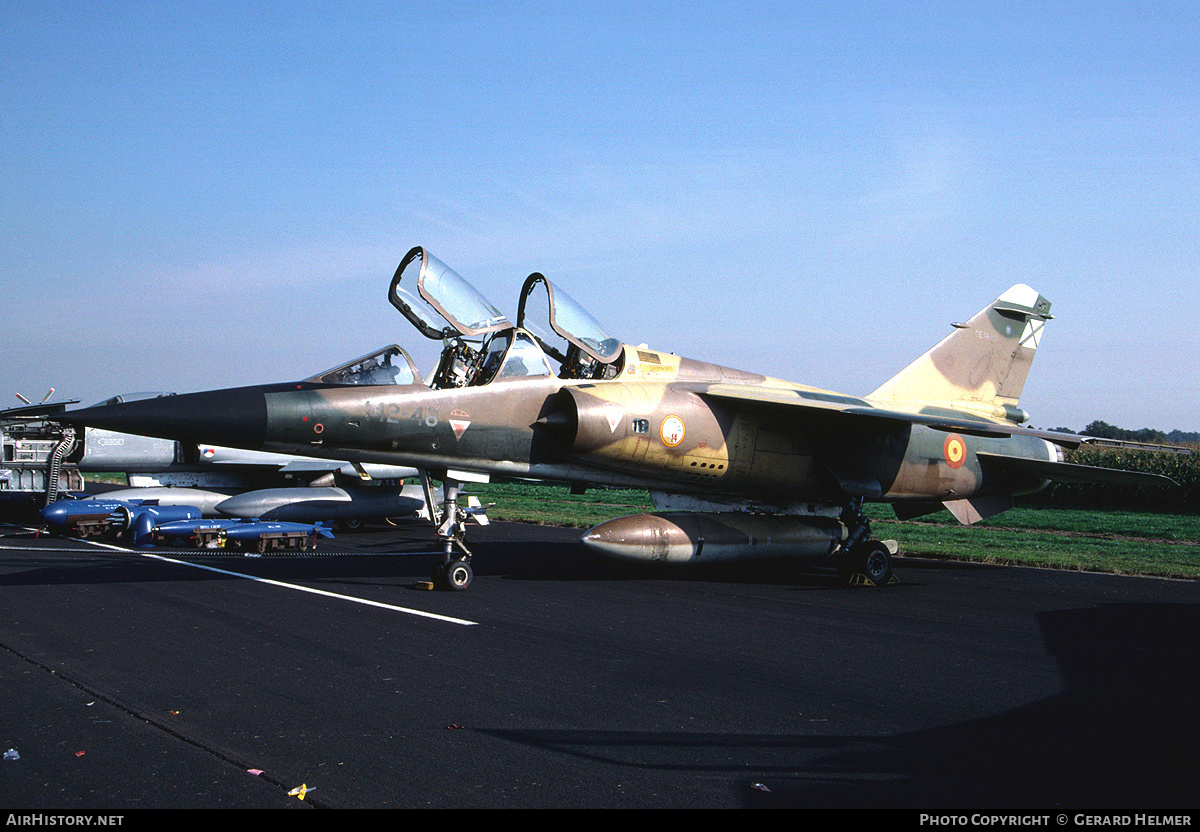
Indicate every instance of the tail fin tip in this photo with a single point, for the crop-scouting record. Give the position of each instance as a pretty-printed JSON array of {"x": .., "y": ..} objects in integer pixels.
[{"x": 982, "y": 364}]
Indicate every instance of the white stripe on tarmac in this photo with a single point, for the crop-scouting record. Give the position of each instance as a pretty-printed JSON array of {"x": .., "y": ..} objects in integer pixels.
[{"x": 364, "y": 601}]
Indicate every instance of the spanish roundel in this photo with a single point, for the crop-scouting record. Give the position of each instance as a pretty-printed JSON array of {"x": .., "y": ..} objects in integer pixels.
[{"x": 955, "y": 451}]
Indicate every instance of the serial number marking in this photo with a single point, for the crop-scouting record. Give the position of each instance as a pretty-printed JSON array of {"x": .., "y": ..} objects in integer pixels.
[{"x": 390, "y": 412}]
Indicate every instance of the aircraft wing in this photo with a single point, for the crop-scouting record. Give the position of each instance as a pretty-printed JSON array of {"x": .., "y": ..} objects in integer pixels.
[
  {"x": 797, "y": 401},
  {"x": 1072, "y": 473},
  {"x": 302, "y": 465},
  {"x": 815, "y": 401},
  {"x": 219, "y": 456}
]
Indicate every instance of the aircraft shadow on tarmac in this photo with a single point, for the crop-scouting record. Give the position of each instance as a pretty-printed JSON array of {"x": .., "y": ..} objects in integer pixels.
[
  {"x": 406, "y": 555},
  {"x": 1119, "y": 737},
  {"x": 572, "y": 562}
]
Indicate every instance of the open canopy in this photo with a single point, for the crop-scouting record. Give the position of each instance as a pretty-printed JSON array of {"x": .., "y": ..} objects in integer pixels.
[
  {"x": 481, "y": 345},
  {"x": 567, "y": 319},
  {"x": 425, "y": 290}
]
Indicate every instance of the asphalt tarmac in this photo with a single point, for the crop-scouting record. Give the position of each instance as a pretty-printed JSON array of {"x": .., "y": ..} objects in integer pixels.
[{"x": 164, "y": 679}]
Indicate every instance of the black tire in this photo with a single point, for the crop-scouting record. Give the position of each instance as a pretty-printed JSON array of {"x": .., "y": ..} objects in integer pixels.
[
  {"x": 454, "y": 576},
  {"x": 457, "y": 575},
  {"x": 873, "y": 560}
]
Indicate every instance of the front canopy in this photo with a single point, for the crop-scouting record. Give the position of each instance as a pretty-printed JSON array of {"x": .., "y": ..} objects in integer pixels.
[{"x": 430, "y": 294}]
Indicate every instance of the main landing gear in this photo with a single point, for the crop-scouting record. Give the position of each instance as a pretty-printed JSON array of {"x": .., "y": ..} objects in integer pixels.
[{"x": 861, "y": 560}]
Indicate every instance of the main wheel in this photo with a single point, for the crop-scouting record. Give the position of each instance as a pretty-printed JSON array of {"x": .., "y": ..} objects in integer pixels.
[{"x": 873, "y": 560}]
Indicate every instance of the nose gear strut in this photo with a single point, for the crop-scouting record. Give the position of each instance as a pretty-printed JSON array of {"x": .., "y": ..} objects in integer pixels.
[{"x": 454, "y": 572}]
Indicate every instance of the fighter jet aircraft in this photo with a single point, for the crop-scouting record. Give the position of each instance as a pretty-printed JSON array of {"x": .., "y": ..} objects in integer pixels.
[{"x": 740, "y": 465}]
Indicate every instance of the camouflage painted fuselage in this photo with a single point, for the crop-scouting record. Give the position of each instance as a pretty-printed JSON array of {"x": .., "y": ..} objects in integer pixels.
[
  {"x": 653, "y": 426},
  {"x": 944, "y": 431},
  {"x": 739, "y": 464}
]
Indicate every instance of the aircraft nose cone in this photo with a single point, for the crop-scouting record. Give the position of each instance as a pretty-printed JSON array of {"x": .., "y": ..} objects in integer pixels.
[{"x": 236, "y": 417}]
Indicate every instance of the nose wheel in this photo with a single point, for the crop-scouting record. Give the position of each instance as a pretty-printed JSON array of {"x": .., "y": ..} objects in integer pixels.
[{"x": 454, "y": 576}]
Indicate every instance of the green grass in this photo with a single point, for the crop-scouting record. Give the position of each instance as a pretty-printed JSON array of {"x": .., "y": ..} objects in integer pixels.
[
  {"x": 1049, "y": 548},
  {"x": 113, "y": 478},
  {"x": 1121, "y": 523},
  {"x": 1101, "y": 541},
  {"x": 553, "y": 505}
]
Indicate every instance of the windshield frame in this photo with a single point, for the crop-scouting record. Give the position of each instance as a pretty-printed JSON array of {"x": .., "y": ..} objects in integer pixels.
[{"x": 382, "y": 357}]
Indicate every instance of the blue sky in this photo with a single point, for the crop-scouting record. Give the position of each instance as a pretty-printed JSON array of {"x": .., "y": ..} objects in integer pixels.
[{"x": 201, "y": 195}]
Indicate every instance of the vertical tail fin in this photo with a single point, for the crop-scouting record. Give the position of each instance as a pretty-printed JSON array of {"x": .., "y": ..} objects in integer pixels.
[{"x": 982, "y": 365}]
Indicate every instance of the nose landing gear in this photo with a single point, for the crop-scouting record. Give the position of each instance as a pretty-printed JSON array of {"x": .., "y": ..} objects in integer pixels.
[{"x": 454, "y": 572}]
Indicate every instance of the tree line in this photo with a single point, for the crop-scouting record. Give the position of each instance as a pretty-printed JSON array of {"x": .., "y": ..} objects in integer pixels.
[{"x": 1103, "y": 430}]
